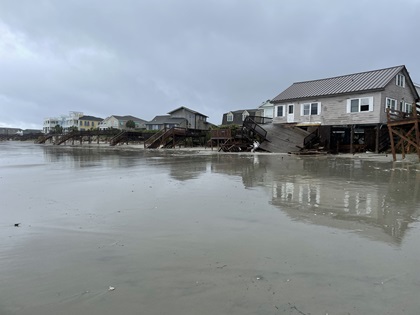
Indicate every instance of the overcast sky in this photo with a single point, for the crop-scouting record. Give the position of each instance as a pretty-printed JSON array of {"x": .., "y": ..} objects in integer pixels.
[{"x": 147, "y": 57}]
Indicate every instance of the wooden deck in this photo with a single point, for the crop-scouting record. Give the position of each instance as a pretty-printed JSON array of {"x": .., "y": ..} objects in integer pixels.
[
  {"x": 283, "y": 138},
  {"x": 404, "y": 131}
]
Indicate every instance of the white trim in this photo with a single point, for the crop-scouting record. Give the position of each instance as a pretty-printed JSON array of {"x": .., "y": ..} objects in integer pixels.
[
  {"x": 277, "y": 110},
  {"x": 361, "y": 102},
  {"x": 245, "y": 114},
  {"x": 318, "y": 109},
  {"x": 400, "y": 80},
  {"x": 391, "y": 100},
  {"x": 229, "y": 117}
]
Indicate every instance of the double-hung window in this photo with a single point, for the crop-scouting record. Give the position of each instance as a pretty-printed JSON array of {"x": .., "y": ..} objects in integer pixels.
[
  {"x": 400, "y": 80},
  {"x": 408, "y": 108},
  {"x": 356, "y": 105},
  {"x": 310, "y": 109},
  {"x": 390, "y": 103},
  {"x": 229, "y": 117},
  {"x": 280, "y": 111}
]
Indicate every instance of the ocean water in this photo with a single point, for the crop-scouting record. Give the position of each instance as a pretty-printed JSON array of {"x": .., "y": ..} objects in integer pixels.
[{"x": 100, "y": 230}]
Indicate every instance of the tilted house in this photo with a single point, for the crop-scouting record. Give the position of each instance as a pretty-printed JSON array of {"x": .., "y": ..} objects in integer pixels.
[
  {"x": 237, "y": 117},
  {"x": 347, "y": 108}
]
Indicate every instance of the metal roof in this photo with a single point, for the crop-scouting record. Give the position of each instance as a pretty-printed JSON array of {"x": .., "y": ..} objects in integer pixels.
[
  {"x": 165, "y": 119},
  {"x": 91, "y": 118},
  {"x": 357, "y": 82},
  {"x": 129, "y": 117},
  {"x": 190, "y": 110}
]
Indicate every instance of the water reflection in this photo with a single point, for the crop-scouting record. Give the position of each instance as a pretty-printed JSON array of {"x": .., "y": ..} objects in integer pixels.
[
  {"x": 337, "y": 192},
  {"x": 377, "y": 199}
]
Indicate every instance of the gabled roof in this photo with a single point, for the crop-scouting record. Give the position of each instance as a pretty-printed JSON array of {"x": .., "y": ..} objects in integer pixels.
[
  {"x": 186, "y": 108},
  {"x": 128, "y": 117},
  {"x": 91, "y": 118},
  {"x": 357, "y": 82},
  {"x": 240, "y": 111},
  {"x": 165, "y": 119},
  {"x": 267, "y": 103}
]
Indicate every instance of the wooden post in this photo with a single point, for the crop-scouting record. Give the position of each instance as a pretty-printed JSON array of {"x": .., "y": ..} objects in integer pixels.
[
  {"x": 378, "y": 129},
  {"x": 417, "y": 138},
  {"x": 351, "y": 138},
  {"x": 391, "y": 139}
]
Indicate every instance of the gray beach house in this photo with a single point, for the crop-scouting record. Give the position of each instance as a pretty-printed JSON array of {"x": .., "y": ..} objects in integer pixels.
[{"x": 349, "y": 108}]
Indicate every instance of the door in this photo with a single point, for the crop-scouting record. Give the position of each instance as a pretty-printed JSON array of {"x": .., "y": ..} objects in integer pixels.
[{"x": 290, "y": 113}]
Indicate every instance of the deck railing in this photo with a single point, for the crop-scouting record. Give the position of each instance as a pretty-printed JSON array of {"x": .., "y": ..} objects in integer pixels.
[
  {"x": 251, "y": 125},
  {"x": 396, "y": 115},
  {"x": 221, "y": 134}
]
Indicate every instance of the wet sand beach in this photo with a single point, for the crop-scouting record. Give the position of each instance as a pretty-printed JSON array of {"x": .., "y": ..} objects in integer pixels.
[{"x": 130, "y": 231}]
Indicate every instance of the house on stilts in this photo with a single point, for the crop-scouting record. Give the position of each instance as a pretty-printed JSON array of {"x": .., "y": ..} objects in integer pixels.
[{"x": 351, "y": 113}]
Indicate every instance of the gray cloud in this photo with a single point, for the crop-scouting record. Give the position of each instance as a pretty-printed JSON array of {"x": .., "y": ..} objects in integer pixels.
[{"x": 145, "y": 58}]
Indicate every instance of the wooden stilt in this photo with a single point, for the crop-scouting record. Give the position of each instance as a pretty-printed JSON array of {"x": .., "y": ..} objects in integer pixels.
[{"x": 378, "y": 129}]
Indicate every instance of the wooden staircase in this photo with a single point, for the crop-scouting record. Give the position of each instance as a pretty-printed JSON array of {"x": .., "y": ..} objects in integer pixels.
[
  {"x": 125, "y": 136},
  {"x": 119, "y": 137},
  {"x": 166, "y": 138},
  {"x": 43, "y": 139},
  {"x": 65, "y": 137}
]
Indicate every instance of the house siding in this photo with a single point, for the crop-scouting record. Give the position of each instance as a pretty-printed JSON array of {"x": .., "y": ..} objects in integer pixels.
[
  {"x": 238, "y": 116},
  {"x": 334, "y": 94},
  {"x": 398, "y": 93},
  {"x": 334, "y": 109},
  {"x": 195, "y": 121}
]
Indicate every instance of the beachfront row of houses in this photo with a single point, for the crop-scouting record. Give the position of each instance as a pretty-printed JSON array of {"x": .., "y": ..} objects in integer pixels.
[
  {"x": 341, "y": 109},
  {"x": 354, "y": 104},
  {"x": 360, "y": 98},
  {"x": 180, "y": 117}
]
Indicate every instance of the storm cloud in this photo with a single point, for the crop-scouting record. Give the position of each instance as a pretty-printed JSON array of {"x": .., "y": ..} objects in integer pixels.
[{"x": 145, "y": 58}]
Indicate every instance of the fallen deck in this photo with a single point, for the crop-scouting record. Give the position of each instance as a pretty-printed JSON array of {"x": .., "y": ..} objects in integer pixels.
[{"x": 283, "y": 138}]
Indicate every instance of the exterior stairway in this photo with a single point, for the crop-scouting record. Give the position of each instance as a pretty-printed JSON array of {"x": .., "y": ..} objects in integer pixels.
[
  {"x": 43, "y": 139},
  {"x": 65, "y": 137},
  {"x": 165, "y": 138}
]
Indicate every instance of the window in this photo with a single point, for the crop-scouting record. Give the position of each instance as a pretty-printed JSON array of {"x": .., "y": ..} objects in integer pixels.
[
  {"x": 310, "y": 109},
  {"x": 390, "y": 103},
  {"x": 400, "y": 80},
  {"x": 408, "y": 108},
  {"x": 290, "y": 109},
  {"x": 229, "y": 117},
  {"x": 245, "y": 114},
  {"x": 280, "y": 111},
  {"x": 356, "y": 105}
]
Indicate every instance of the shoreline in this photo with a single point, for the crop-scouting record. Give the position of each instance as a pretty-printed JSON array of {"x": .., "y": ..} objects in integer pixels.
[{"x": 382, "y": 157}]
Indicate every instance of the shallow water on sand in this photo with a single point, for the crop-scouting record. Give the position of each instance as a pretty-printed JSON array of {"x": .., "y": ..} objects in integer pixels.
[{"x": 177, "y": 232}]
